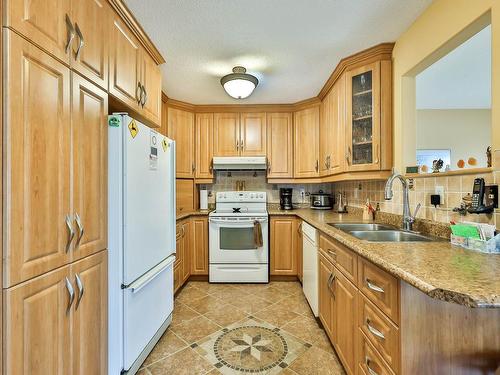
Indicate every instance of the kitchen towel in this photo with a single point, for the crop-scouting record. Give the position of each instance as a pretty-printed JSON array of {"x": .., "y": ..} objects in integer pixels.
[{"x": 257, "y": 234}]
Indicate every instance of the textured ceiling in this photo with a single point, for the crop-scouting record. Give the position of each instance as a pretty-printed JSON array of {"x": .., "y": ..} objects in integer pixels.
[{"x": 292, "y": 46}]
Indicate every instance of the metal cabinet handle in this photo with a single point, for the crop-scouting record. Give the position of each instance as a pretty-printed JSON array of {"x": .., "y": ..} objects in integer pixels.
[
  {"x": 331, "y": 281},
  {"x": 82, "y": 41},
  {"x": 71, "y": 293},
  {"x": 211, "y": 166},
  {"x": 326, "y": 162},
  {"x": 145, "y": 97},
  {"x": 80, "y": 230},
  {"x": 81, "y": 290},
  {"x": 373, "y": 330},
  {"x": 71, "y": 31},
  {"x": 299, "y": 229},
  {"x": 241, "y": 145},
  {"x": 374, "y": 287},
  {"x": 138, "y": 93},
  {"x": 71, "y": 232},
  {"x": 332, "y": 253},
  {"x": 193, "y": 167},
  {"x": 237, "y": 145},
  {"x": 377, "y": 153},
  {"x": 268, "y": 165},
  {"x": 317, "y": 165},
  {"x": 370, "y": 370}
]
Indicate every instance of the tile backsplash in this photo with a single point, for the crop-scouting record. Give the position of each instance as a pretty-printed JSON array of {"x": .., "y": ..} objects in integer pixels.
[
  {"x": 454, "y": 187},
  {"x": 256, "y": 181}
]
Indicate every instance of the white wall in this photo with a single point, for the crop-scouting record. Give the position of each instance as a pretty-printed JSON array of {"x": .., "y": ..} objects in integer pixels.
[{"x": 467, "y": 132}]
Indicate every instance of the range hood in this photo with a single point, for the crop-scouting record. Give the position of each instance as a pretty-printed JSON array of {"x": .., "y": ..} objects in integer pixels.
[{"x": 239, "y": 162}]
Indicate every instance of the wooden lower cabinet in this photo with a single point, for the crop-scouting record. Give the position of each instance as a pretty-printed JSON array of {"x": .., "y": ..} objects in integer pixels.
[
  {"x": 283, "y": 251},
  {"x": 199, "y": 246},
  {"x": 345, "y": 320},
  {"x": 186, "y": 250},
  {"x": 326, "y": 300},
  {"x": 43, "y": 323}
]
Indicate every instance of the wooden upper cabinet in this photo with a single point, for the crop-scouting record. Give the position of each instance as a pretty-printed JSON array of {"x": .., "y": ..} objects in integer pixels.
[
  {"x": 43, "y": 22},
  {"x": 151, "y": 82},
  {"x": 279, "y": 145},
  {"x": 199, "y": 246},
  {"x": 37, "y": 161},
  {"x": 184, "y": 195},
  {"x": 363, "y": 118},
  {"x": 124, "y": 64},
  {"x": 331, "y": 140},
  {"x": 253, "y": 134},
  {"x": 283, "y": 250},
  {"x": 204, "y": 149},
  {"x": 181, "y": 129},
  {"x": 90, "y": 315},
  {"x": 37, "y": 326},
  {"x": 90, "y": 141},
  {"x": 91, "y": 46},
  {"x": 306, "y": 155},
  {"x": 226, "y": 134}
]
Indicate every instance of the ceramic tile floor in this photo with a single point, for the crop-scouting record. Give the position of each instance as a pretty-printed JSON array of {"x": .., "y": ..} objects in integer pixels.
[{"x": 241, "y": 329}]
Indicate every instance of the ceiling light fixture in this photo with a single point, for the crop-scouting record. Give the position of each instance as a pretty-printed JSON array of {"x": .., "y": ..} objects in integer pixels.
[{"x": 239, "y": 84}]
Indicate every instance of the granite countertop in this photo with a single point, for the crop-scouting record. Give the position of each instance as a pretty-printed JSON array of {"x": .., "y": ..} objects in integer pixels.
[
  {"x": 184, "y": 215},
  {"x": 439, "y": 269}
]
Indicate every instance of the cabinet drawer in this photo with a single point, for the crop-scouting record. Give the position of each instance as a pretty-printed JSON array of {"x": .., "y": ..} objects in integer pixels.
[
  {"x": 341, "y": 256},
  {"x": 380, "y": 331},
  {"x": 381, "y": 288},
  {"x": 369, "y": 361}
]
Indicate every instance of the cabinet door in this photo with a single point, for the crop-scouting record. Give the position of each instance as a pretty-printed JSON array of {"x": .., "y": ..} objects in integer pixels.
[
  {"x": 184, "y": 195},
  {"x": 331, "y": 131},
  {"x": 199, "y": 246},
  {"x": 90, "y": 159},
  {"x": 326, "y": 301},
  {"x": 253, "y": 134},
  {"x": 283, "y": 246},
  {"x": 37, "y": 161},
  {"x": 186, "y": 250},
  {"x": 204, "y": 150},
  {"x": 43, "y": 22},
  {"x": 363, "y": 118},
  {"x": 306, "y": 155},
  {"x": 226, "y": 134},
  {"x": 124, "y": 64},
  {"x": 37, "y": 325},
  {"x": 91, "y": 48},
  {"x": 90, "y": 315},
  {"x": 300, "y": 269},
  {"x": 345, "y": 321},
  {"x": 181, "y": 129},
  {"x": 279, "y": 145},
  {"x": 151, "y": 80}
]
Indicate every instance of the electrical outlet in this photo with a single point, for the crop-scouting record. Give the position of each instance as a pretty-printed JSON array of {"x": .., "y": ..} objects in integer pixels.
[{"x": 439, "y": 190}]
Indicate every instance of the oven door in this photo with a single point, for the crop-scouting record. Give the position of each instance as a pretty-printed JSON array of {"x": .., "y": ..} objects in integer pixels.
[{"x": 232, "y": 240}]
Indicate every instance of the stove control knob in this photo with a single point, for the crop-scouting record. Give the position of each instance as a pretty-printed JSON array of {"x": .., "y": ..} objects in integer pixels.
[
  {"x": 252, "y": 195},
  {"x": 261, "y": 195}
]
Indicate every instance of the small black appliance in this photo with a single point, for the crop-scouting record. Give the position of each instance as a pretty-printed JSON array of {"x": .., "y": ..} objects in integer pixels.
[{"x": 286, "y": 198}]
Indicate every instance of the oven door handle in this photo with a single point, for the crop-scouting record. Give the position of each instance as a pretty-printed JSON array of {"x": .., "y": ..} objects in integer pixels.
[{"x": 249, "y": 221}]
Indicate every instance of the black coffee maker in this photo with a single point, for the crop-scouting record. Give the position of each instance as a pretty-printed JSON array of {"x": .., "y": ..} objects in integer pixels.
[{"x": 286, "y": 198}]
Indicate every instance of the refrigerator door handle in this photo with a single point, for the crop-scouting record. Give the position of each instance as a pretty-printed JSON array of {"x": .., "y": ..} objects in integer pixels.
[{"x": 144, "y": 280}]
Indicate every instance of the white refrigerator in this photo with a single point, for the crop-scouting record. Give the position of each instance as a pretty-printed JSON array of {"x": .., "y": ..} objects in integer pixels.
[{"x": 141, "y": 236}]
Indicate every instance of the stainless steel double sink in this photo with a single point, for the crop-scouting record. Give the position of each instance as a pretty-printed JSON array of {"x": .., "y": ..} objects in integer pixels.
[{"x": 379, "y": 232}]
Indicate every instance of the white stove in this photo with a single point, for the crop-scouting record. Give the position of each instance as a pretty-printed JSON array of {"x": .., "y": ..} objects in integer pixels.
[{"x": 235, "y": 255}]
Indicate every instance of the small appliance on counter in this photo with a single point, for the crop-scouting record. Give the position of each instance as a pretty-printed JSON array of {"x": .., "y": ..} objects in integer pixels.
[
  {"x": 321, "y": 201},
  {"x": 286, "y": 198}
]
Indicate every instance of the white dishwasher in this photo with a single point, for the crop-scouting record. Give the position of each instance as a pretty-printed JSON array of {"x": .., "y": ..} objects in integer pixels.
[{"x": 310, "y": 264}]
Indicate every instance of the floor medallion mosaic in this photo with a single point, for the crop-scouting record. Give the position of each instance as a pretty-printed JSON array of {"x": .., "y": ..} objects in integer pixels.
[{"x": 252, "y": 346}]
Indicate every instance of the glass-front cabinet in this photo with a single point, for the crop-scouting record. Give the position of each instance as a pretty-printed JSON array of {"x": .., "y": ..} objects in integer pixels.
[{"x": 363, "y": 118}]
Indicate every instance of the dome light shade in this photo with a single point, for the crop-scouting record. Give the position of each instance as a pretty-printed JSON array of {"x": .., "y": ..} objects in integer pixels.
[{"x": 239, "y": 84}]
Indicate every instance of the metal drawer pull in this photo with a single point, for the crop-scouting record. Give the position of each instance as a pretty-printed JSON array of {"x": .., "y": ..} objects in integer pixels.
[
  {"x": 71, "y": 232},
  {"x": 331, "y": 281},
  {"x": 333, "y": 253},
  {"x": 71, "y": 293},
  {"x": 374, "y": 287},
  {"x": 81, "y": 290},
  {"x": 82, "y": 41},
  {"x": 80, "y": 230},
  {"x": 145, "y": 97},
  {"x": 370, "y": 371},
  {"x": 71, "y": 30},
  {"x": 374, "y": 331}
]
